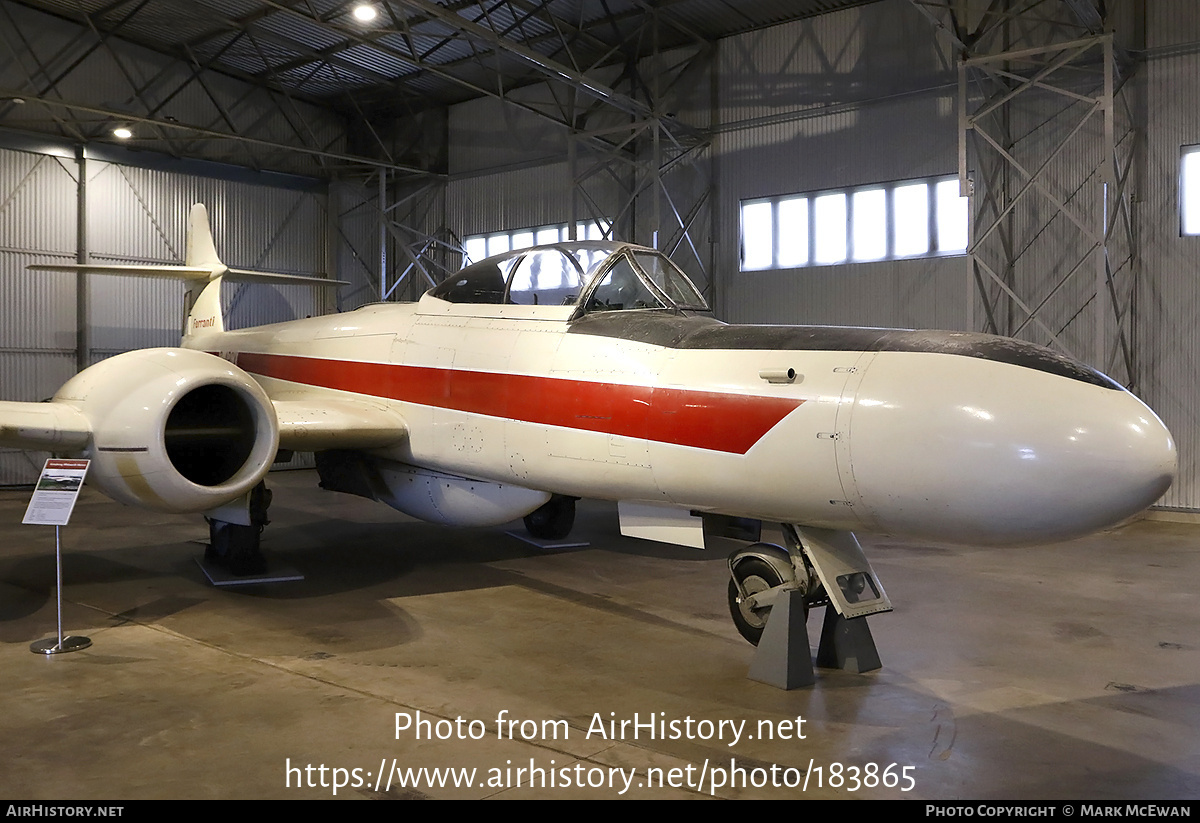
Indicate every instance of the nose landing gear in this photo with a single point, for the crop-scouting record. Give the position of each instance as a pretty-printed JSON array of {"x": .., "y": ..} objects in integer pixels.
[
  {"x": 758, "y": 574},
  {"x": 820, "y": 567}
]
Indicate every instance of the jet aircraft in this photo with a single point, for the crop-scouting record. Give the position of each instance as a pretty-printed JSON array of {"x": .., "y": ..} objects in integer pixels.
[{"x": 595, "y": 370}]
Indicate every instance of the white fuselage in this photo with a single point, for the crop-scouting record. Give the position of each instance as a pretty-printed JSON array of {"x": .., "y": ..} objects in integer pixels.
[{"x": 926, "y": 443}]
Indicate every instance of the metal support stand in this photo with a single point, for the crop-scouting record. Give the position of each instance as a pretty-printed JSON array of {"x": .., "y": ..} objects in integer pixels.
[
  {"x": 849, "y": 590},
  {"x": 784, "y": 657},
  {"x": 63, "y": 644},
  {"x": 846, "y": 644},
  {"x": 233, "y": 555},
  {"x": 547, "y": 545}
]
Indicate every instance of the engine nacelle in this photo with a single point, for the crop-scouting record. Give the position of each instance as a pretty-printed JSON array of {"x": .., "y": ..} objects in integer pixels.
[{"x": 175, "y": 430}]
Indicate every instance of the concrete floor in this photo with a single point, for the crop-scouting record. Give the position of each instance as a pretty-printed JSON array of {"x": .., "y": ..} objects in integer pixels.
[{"x": 1067, "y": 671}]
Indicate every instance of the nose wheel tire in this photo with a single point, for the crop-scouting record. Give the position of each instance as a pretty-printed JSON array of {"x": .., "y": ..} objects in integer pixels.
[{"x": 755, "y": 576}]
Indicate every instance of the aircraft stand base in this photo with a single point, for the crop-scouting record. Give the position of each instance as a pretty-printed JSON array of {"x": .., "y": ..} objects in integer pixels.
[
  {"x": 784, "y": 658},
  {"x": 563, "y": 543},
  {"x": 219, "y": 575},
  {"x": 233, "y": 556},
  {"x": 235, "y": 534},
  {"x": 846, "y": 644}
]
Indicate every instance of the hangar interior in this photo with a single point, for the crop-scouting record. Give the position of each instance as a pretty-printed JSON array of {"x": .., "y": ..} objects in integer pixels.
[{"x": 1043, "y": 146}]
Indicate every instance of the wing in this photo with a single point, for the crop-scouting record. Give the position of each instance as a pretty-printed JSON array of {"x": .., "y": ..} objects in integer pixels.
[
  {"x": 303, "y": 426},
  {"x": 316, "y": 425},
  {"x": 43, "y": 426}
]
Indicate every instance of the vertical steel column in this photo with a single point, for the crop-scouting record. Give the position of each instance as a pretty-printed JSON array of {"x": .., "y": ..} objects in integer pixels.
[
  {"x": 965, "y": 189},
  {"x": 83, "y": 335},
  {"x": 1107, "y": 189},
  {"x": 716, "y": 213},
  {"x": 328, "y": 297},
  {"x": 657, "y": 124},
  {"x": 573, "y": 170},
  {"x": 383, "y": 235}
]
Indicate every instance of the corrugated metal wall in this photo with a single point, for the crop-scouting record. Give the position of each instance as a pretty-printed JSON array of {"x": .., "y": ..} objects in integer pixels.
[
  {"x": 1169, "y": 308},
  {"x": 37, "y": 311},
  {"x": 513, "y": 199},
  {"x": 134, "y": 215},
  {"x": 778, "y": 136},
  {"x": 355, "y": 211},
  {"x": 487, "y": 134},
  {"x": 508, "y": 172}
]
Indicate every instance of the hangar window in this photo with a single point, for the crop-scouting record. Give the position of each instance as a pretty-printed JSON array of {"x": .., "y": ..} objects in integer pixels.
[
  {"x": 481, "y": 246},
  {"x": 830, "y": 216},
  {"x": 908, "y": 218},
  {"x": 1189, "y": 191}
]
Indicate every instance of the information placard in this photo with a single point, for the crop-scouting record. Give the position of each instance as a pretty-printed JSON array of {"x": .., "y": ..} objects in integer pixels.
[{"x": 56, "y": 492}]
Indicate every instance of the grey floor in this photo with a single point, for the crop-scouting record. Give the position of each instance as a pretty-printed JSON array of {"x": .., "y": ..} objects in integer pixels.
[{"x": 1067, "y": 671}]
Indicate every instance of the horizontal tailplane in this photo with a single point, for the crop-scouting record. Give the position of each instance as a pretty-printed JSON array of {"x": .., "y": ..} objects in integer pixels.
[{"x": 201, "y": 264}]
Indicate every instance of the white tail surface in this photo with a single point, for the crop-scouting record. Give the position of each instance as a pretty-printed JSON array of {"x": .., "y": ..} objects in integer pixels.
[
  {"x": 201, "y": 263},
  {"x": 206, "y": 315},
  {"x": 200, "y": 250}
]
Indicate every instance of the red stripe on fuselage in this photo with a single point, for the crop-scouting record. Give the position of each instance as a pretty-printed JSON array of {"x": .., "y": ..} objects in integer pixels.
[{"x": 700, "y": 419}]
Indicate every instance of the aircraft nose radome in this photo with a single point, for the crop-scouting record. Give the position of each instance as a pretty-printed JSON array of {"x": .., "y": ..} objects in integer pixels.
[
  {"x": 993, "y": 453},
  {"x": 1126, "y": 451}
]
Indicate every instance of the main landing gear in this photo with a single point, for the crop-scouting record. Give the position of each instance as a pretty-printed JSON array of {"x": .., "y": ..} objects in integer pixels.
[
  {"x": 553, "y": 520},
  {"x": 237, "y": 546},
  {"x": 772, "y": 589}
]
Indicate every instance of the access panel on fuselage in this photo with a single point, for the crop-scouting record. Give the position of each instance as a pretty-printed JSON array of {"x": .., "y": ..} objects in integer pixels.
[
  {"x": 515, "y": 408},
  {"x": 725, "y": 439},
  {"x": 597, "y": 403},
  {"x": 463, "y": 365}
]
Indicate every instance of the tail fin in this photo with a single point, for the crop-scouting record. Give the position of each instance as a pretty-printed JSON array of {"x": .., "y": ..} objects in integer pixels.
[
  {"x": 205, "y": 315},
  {"x": 199, "y": 249}
]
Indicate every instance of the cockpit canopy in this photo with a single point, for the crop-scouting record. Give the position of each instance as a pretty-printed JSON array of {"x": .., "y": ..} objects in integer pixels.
[{"x": 592, "y": 276}]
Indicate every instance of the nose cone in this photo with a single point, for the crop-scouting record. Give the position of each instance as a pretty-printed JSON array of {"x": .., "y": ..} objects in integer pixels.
[{"x": 984, "y": 452}]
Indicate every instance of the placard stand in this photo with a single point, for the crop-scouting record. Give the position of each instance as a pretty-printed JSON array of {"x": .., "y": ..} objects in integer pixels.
[
  {"x": 51, "y": 505},
  {"x": 71, "y": 643}
]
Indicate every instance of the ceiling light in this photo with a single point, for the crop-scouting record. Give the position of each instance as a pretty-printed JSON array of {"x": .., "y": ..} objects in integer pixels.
[
  {"x": 122, "y": 133},
  {"x": 364, "y": 13}
]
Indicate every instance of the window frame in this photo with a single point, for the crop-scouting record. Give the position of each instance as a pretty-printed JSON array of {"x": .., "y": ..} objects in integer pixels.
[
  {"x": 847, "y": 194},
  {"x": 585, "y": 230},
  {"x": 1184, "y": 153}
]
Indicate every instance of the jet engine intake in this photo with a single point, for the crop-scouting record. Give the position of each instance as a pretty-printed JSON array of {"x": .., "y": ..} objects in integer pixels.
[{"x": 174, "y": 429}]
